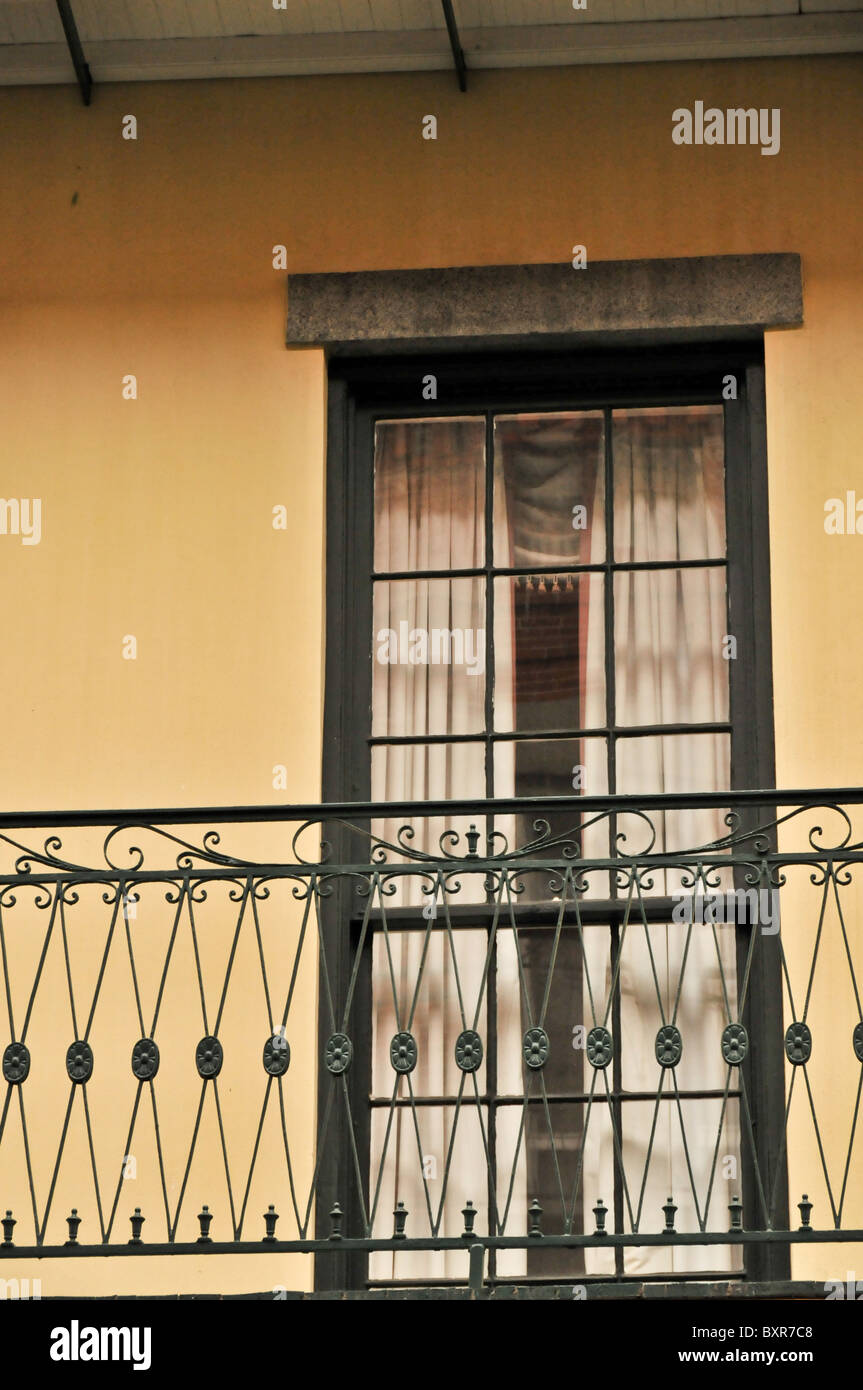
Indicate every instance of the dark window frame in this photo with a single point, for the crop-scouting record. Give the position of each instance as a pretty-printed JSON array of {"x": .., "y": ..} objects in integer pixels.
[{"x": 363, "y": 389}]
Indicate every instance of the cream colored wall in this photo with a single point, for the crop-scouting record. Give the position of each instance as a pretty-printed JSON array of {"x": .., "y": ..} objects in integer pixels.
[{"x": 154, "y": 257}]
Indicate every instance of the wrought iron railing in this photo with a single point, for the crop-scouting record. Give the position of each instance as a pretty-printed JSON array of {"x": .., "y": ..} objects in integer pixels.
[{"x": 563, "y": 1032}]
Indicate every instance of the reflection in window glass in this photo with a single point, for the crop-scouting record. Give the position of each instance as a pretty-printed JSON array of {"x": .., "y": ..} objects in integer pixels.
[
  {"x": 549, "y": 645},
  {"x": 429, "y": 494},
  {"x": 669, "y": 627},
  {"x": 549, "y": 481},
  {"x": 669, "y": 483}
]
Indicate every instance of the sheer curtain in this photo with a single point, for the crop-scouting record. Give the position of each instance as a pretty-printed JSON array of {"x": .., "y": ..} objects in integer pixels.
[
  {"x": 669, "y": 626},
  {"x": 669, "y": 669},
  {"x": 430, "y": 504}
]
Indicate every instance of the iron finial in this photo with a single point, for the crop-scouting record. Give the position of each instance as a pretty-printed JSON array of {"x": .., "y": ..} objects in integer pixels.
[
  {"x": 205, "y": 1216},
  {"x": 468, "y": 1211},
  {"x": 137, "y": 1221},
  {"x": 9, "y": 1224},
  {"x": 73, "y": 1222},
  {"x": 600, "y": 1211},
  {"x": 400, "y": 1216},
  {"x": 336, "y": 1217},
  {"x": 271, "y": 1216},
  {"x": 805, "y": 1212},
  {"x": 535, "y": 1218}
]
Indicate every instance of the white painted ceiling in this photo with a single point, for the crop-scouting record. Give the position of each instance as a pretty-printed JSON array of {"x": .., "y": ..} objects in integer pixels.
[{"x": 142, "y": 40}]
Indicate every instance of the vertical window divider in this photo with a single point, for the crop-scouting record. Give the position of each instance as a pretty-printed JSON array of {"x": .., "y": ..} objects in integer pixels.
[
  {"x": 616, "y": 1104},
  {"x": 489, "y": 604},
  {"x": 608, "y": 580},
  {"x": 611, "y": 751},
  {"x": 491, "y": 997}
]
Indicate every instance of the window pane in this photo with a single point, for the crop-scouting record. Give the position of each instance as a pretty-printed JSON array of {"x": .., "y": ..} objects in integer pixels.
[
  {"x": 429, "y": 772},
  {"x": 429, "y": 494},
  {"x": 549, "y": 652},
  {"x": 412, "y": 1158},
  {"x": 552, "y": 965},
  {"x": 550, "y": 767},
  {"x": 669, "y": 483},
  {"x": 580, "y": 976},
  {"x": 691, "y": 968},
  {"x": 555, "y": 767},
  {"x": 440, "y": 991},
  {"x": 673, "y": 763},
  {"x": 668, "y": 1174},
  {"x": 669, "y": 627},
  {"x": 429, "y": 647},
  {"x": 546, "y": 466},
  {"x": 547, "y": 1167}
]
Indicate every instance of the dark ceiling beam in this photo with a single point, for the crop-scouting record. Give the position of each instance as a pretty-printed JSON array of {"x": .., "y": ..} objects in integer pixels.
[
  {"x": 455, "y": 44},
  {"x": 70, "y": 29}
]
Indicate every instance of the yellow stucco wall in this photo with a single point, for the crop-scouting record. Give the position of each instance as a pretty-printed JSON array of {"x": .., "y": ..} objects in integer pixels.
[{"x": 154, "y": 257}]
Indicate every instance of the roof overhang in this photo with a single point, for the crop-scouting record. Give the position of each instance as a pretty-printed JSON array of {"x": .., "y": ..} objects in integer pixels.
[{"x": 37, "y": 53}]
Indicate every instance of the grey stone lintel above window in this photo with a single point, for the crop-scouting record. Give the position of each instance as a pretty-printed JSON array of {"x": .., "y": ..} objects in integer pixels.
[{"x": 499, "y": 306}]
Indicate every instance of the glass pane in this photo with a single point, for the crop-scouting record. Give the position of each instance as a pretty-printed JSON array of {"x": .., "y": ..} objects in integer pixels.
[
  {"x": 554, "y": 767},
  {"x": 667, "y": 1174},
  {"x": 412, "y": 1158},
  {"x": 669, "y": 483},
  {"x": 696, "y": 974},
  {"x": 577, "y": 974},
  {"x": 669, "y": 627},
  {"x": 552, "y": 964},
  {"x": 550, "y": 767},
  {"x": 429, "y": 494},
  {"x": 549, "y": 489},
  {"x": 439, "y": 992},
  {"x": 673, "y": 763},
  {"x": 429, "y": 772},
  {"x": 549, "y": 652},
  {"x": 429, "y": 645},
  {"x": 540, "y": 1157}
]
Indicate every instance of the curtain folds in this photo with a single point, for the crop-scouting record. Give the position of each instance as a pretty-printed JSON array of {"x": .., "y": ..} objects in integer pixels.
[
  {"x": 430, "y": 499},
  {"x": 668, "y": 669}
]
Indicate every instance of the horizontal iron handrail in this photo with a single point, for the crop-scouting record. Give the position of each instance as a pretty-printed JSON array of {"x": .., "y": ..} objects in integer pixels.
[
  {"x": 510, "y": 805},
  {"x": 403, "y": 1246}
]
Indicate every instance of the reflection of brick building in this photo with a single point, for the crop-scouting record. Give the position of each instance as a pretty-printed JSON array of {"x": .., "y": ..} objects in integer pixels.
[{"x": 548, "y": 649}]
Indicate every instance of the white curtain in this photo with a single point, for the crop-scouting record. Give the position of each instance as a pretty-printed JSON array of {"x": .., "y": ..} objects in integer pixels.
[
  {"x": 430, "y": 503},
  {"x": 669, "y": 625}
]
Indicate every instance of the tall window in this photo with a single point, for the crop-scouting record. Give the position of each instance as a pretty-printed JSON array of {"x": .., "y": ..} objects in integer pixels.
[{"x": 548, "y": 615}]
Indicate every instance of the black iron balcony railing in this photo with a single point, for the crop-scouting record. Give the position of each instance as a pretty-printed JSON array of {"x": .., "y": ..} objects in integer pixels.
[{"x": 580, "y": 1036}]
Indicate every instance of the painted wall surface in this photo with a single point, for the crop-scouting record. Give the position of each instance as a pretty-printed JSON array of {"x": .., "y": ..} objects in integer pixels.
[{"x": 153, "y": 257}]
